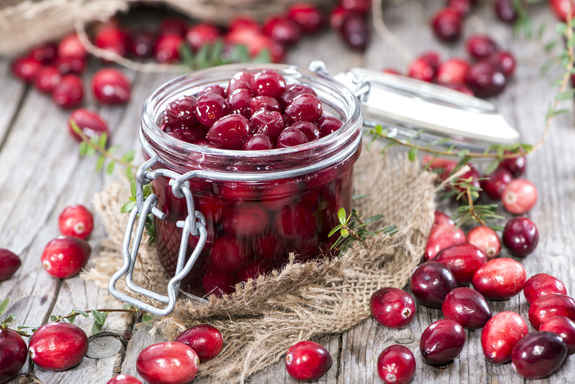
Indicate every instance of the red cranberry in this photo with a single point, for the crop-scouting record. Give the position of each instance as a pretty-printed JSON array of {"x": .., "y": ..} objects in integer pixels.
[
  {"x": 519, "y": 196},
  {"x": 480, "y": 46},
  {"x": 229, "y": 132},
  {"x": 294, "y": 90},
  {"x": 238, "y": 191},
  {"x": 227, "y": 255},
  {"x": 461, "y": 88},
  {"x": 290, "y": 137},
  {"x": 46, "y": 79},
  {"x": 44, "y": 53},
  {"x": 264, "y": 102},
  {"x": 58, "y": 346},
  {"x": 542, "y": 284},
  {"x": 462, "y": 6},
  {"x": 516, "y": 165},
  {"x": 26, "y": 68},
  {"x": 500, "y": 279},
  {"x": 69, "y": 93},
  {"x": 205, "y": 340},
  {"x": 306, "y": 16},
  {"x": 111, "y": 37},
  {"x": 500, "y": 335},
  {"x": 258, "y": 142},
  {"x": 307, "y": 360},
  {"x": 217, "y": 283},
  {"x": 494, "y": 184},
  {"x": 391, "y": 71},
  {"x": 124, "y": 379},
  {"x": 443, "y": 234},
  {"x": 167, "y": 49},
  {"x": 355, "y": 31},
  {"x": 520, "y": 236},
  {"x": 505, "y": 11},
  {"x": 256, "y": 42},
  {"x": 181, "y": 113},
  {"x": 65, "y": 256},
  {"x": 210, "y": 108},
  {"x": 72, "y": 47},
  {"x": 296, "y": 220},
  {"x": 538, "y": 355},
  {"x": 304, "y": 107},
  {"x": 467, "y": 307},
  {"x": 564, "y": 9},
  {"x": 202, "y": 34},
  {"x": 76, "y": 221},
  {"x": 9, "y": 264},
  {"x": 168, "y": 363},
  {"x": 485, "y": 239},
  {"x": 243, "y": 22},
  {"x": 361, "y": 6},
  {"x": 309, "y": 129},
  {"x": 471, "y": 177},
  {"x": 329, "y": 125},
  {"x": 141, "y": 44},
  {"x": 562, "y": 327},
  {"x": 70, "y": 65},
  {"x": 111, "y": 86},
  {"x": 241, "y": 80},
  {"x": 239, "y": 102},
  {"x": 396, "y": 365},
  {"x": 13, "y": 356},
  {"x": 420, "y": 69},
  {"x": 546, "y": 307},
  {"x": 443, "y": 167},
  {"x": 392, "y": 307},
  {"x": 90, "y": 123},
  {"x": 485, "y": 79},
  {"x": 505, "y": 61},
  {"x": 431, "y": 282},
  {"x": 173, "y": 26},
  {"x": 442, "y": 342},
  {"x": 282, "y": 30},
  {"x": 462, "y": 260},
  {"x": 452, "y": 71},
  {"x": 447, "y": 25},
  {"x": 269, "y": 83},
  {"x": 268, "y": 123},
  {"x": 246, "y": 220}
]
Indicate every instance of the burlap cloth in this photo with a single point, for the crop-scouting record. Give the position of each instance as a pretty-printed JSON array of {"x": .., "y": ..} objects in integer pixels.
[{"x": 266, "y": 316}]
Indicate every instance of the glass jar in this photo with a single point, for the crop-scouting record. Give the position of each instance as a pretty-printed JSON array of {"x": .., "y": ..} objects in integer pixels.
[{"x": 259, "y": 206}]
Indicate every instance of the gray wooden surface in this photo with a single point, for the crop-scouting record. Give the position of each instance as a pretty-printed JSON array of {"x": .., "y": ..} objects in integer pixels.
[{"x": 41, "y": 172}]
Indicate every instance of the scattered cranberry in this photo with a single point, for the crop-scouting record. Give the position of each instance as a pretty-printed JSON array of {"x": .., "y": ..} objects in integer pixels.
[
  {"x": 447, "y": 25},
  {"x": 69, "y": 93},
  {"x": 516, "y": 165},
  {"x": 480, "y": 46},
  {"x": 467, "y": 307},
  {"x": 392, "y": 307},
  {"x": 202, "y": 34},
  {"x": 229, "y": 132},
  {"x": 269, "y": 83},
  {"x": 485, "y": 239},
  {"x": 542, "y": 284},
  {"x": 307, "y": 360},
  {"x": 256, "y": 42},
  {"x": 46, "y": 79},
  {"x": 500, "y": 335},
  {"x": 306, "y": 16},
  {"x": 124, "y": 379},
  {"x": 564, "y": 9},
  {"x": 462, "y": 260},
  {"x": 452, "y": 72},
  {"x": 462, "y": 6},
  {"x": 209, "y": 108},
  {"x": 500, "y": 279},
  {"x": 70, "y": 65},
  {"x": 361, "y": 6},
  {"x": 442, "y": 342},
  {"x": 329, "y": 125},
  {"x": 520, "y": 236},
  {"x": 444, "y": 234},
  {"x": 205, "y": 340},
  {"x": 58, "y": 346},
  {"x": 72, "y": 47},
  {"x": 431, "y": 282},
  {"x": 538, "y": 355},
  {"x": 505, "y": 11},
  {"x": 112, "y": 38},
  {"x": 45, "y": 53},
  {"x": 167, "y": 49},
  {"x": 90, "y": 123},
  {"x": 562, "y": 327},
  {"x": 13, "y": 356},
  {"x": 26, "y": 68},
  {"x": 9, "y": 264},
  {"x": 396, "y": 365},
  {"x": 421, "y": 69},
  {"x": 443, "y": 167},
  {"x": 173, "y": 26},
  {"x": 337, "y": 16},
  {"x": 519, "y": 196},
  {"x": 355, "y": 31},
  {"x": 76, "y": 221},
  {"x": 243, "y": 22},
  {"x": 282, "y": 30},
  {"x": 505, "y": 61},
  {"x": 141, "y": 45},
  {"x": 111, "y": 86},
  {"x": 65, "y": 256},
  {"x": 168, "y": 363},
  {"x": 494, "y": 184},
  {"x": 546, "y": 307},
  {"x": 485, "y": 79}
]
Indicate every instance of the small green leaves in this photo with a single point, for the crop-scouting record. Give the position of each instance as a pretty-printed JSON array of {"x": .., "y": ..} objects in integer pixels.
[
  {"x": 351, "y": 228},
  {"x": 212, "y": 55},
  {"x": 341, "y": 216},
  {"x": 99, "y": 320},
  {"x": 4, "y": 305},
  {"x": 412, "y": 154}
]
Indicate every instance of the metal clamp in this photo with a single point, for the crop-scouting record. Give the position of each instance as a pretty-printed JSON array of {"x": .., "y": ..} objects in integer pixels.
[{"x": 194, "y": 224}]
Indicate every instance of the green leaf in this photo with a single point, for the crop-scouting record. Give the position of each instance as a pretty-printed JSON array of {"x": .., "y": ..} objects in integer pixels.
[
  {"x": 129, "y": 156},
  {"x": 334, "y": 230},
  {"x": 492, "y": 166},
  {"x": 239, "y": 54},
  {"x": 146, "y": 317},
  {"x": 262, "y": 57},
  {"x": 110, "y": 167},
  {"x": 100, "y": 163},
  {"x": 127, "y": 207},
  {"x": 4, "y": 305},
  {"x": 342, "y": 216},
  {"x": 99, "y": 320},
  {"x": 344, "y": 233},
  {"x": 201, "y": 60},
  {"x": 187, "y": 56},
  {"x": 103, "y": 140},
  {"x": 412, "y": 154},
  {"x": 83, "y": 148}
]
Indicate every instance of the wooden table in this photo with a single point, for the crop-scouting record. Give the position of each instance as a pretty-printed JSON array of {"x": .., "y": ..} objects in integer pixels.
[{"x": 41, "y": 173}]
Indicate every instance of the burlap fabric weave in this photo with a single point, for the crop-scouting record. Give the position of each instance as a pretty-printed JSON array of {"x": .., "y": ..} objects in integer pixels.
[{"x": 266, "y": 316}]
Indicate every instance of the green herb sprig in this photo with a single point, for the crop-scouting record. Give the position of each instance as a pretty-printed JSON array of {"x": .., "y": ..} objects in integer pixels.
[
  {"x": 353, "y": 228},
  {"x": 212, "y": 55}
]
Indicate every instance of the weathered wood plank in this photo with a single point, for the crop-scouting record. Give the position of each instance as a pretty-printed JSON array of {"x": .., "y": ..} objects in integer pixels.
[{"x": 11, "y": 98}]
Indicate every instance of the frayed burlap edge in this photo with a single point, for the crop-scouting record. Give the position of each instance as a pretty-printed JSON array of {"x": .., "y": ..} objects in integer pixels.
[{"x": 267, "y": 315}]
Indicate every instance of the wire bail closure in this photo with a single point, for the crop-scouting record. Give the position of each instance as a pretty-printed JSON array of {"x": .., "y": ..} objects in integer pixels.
[{"x": 194, "y": 224}]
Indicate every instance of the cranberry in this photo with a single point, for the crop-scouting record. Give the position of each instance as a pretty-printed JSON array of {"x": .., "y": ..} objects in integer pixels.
[
  {"x": 45, "y": 53},
  {"x": 282, "y": 30},
  {"x": 355, "y": 31},
  {"x": 246, "y": 220},
  {"x": 361, "y": 6},
  {"x": 329, "y": 125},
  {"x": 58, "y": 346},
  {"x": 269, "y": 83},
  {"x": 543, "y": 284},
  {"x": 307, "y": 360},
  {"x": 452, "y": 71},
  {"x": 124, "y": 379},
  {"x": 462, "y": 260},
  {"x": 111, "y": 37},
  {"x": 227, "y": 255},
  {"x": 309, "y": 129},
  {"x": 26, "y": 68},
  {"x": 443, "y": 234},
  {"x": 209, "y": 108},
  {"x": 564, "y": 9},
  {"x": 505, "y": 61},
  {"x": 268, "y": 123},
  {"x": 290, "y": 137},
  {"x": 76, "y": 221},
  {"x": 142, "y": 43},
  {"x": 480, "y": 46},
  {"x": 485, "y": 79},
  {"x": 485, "y": 239},
  {"x": 505, "y": 11},
  {"x": 46, "y": 79},
  {"x": 239, "y": 102},
  {"x": 9, "y": 264},
  {"x": 181, "y": 113},
  {"x": 90, "y": 123},
  {"x": 516, "y": 165},
  {"x": 65, "y": 256},
  {"x": 500, "y": 335},
  {"x": 229, "y": 132},
  {"x": 470, "y": 177},
  {"x": 258, "y": 142},
  {"x": 256, "y": 42},
  {"x": 168, "y": 363},
  {"x": 519, "y": 196},
  {"x": 520, "y": 236},
  {"x": 441, "y": 166},
  {"x": 306, "y": 16},
  {"x": 396, "y": 365},
  {"x": 217, "y": 283},
  {"x": 205, "y": 340},
  {"x": 243, "y": 22},
  {"x": 494, "y": 184},
  {"x": 421, "y": 69},
  {"x": 13, "y": 356},
  {"x": 392, "y": 307},
  {"x": 538, "y": 355},
  {"x": 500, "y": 279},
  {"x": 467, "y": 307},
  {"x": 69, "y": 93},
  {"x": 294, "y": 90},
  {"x": 391, "y": 71},
  {"x": 562, "y": 327},
  {"x": 111, "y": 86},
  {"x": 70, "y": 65},
  {"x": 462, "y": 6},
  {"x": 546, "y": 307},
  {"x": 72, "y": 47},
  {"x": 296, "y": 220},
  {"x": 304, "y": 107},
  {"x": 447, "y": 25},
  {"x": 213, "y": 89},
  {"x": 264, "y": 102},
  {"x": 431, "y": 282},
  {"x": 461, "y": 88},
  {"x": 241, "y": 80},
  {"x": 202, "y": 34},
  {"x": 442, "y": 342},
  {"x": 167, "y": 49}
]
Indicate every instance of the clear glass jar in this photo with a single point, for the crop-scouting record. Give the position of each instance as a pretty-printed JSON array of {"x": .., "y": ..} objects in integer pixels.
[{"x": 259, "y": 206}]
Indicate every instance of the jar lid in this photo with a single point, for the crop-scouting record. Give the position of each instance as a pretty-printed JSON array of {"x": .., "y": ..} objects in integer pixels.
[{"x": 425, "y": 113}]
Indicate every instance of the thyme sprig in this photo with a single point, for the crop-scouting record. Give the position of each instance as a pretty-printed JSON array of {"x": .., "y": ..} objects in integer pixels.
[
  {"x": 212, "y": 55},
  {"x": 353, "y": 228}
]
